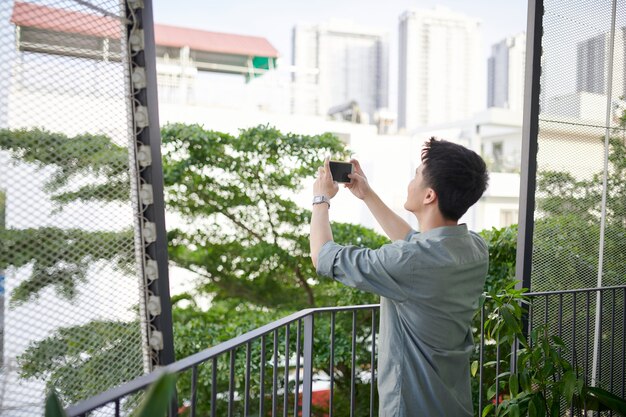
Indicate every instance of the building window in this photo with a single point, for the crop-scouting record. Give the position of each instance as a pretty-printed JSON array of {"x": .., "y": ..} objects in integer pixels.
[
  {"x": 508, "y": 217},
  {"x": 498, "y": 153}
]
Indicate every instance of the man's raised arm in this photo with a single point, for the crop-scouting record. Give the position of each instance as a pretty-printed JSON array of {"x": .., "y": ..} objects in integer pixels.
[{"x": 394, "y": 226}]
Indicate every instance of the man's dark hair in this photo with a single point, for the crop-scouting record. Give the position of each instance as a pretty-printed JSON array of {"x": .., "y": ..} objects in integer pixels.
[{"x": 458, "y": 176}]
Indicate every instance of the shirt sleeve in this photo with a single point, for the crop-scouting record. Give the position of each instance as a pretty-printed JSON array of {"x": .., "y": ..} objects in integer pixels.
[{"x": 373, "y": 270}]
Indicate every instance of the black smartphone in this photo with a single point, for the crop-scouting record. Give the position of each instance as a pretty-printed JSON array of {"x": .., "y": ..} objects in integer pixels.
[{"x": 340, "y": 171}]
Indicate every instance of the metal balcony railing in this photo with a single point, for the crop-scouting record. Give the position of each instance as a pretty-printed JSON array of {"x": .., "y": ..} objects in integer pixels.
[
  {"x": 280, "y": 379},
  {"x": 315, "y": 362},
  {"x": 590, "y": 321}
]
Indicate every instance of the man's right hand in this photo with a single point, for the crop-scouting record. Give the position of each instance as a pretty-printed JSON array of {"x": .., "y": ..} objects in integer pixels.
[{"x": 358, "y": 184}]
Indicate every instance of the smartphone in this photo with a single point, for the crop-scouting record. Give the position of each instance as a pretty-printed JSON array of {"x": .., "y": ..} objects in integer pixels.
[{"x": 340, "y": 171}]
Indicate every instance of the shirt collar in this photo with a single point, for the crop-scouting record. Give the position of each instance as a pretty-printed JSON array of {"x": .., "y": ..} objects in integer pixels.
[{"x": 459, "y": 229}]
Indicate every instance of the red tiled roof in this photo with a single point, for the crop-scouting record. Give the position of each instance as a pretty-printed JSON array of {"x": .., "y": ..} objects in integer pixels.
[
  {"x": 58, "y": 20},
  {"x": 50, "y": 18},
  {"x": 224, "y": 43}
]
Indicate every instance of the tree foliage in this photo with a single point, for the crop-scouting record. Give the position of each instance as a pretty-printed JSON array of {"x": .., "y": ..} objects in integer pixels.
[
  {"x": 61, "y": 257},
  {"x": 567, "y": 232},
  {"x": 248, "y": 241},
  {"x": 72, "y": 157},
  {"x": 241, "y": 233},
  {"x": 84, "y": 360},
  {"x": 244, "y": 236}
]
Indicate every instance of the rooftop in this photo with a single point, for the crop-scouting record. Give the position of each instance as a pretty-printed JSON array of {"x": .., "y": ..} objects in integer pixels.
[{"x": 36, "y": 16}]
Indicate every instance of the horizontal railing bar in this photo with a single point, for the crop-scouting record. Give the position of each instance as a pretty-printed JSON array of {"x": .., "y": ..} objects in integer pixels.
[
  {"x": 235, "y": 342},
  {"x": 113, "y": 394},
  {"x": 543, "y": 293},
  {"x": 561, "y": 292}
]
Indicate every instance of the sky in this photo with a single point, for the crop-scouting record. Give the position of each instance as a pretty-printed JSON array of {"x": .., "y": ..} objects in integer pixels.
[{"x": 274, "y": 20}]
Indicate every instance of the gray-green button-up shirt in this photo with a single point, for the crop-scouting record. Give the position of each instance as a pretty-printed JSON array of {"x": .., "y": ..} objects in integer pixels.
[{"x": 429, "y": 285}]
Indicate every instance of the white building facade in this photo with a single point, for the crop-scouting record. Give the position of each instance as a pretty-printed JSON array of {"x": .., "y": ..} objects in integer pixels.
[
  {"x": 343, "y": 62},
  {"x": 439, "y": 76},
  {"x": 505, "y": 73}
]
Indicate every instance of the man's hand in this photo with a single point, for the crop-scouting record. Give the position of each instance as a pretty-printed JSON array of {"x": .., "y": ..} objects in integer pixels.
[
  {"x": 358, "y": 182},
  {"x": 324, "y": 184}
]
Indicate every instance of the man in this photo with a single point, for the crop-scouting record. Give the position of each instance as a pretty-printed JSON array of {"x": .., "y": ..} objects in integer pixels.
[{"x": 429, "y": 282}]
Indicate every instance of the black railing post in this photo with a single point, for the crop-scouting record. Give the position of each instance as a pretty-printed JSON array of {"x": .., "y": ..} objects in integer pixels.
[
  {"x": 481, "y": 359},
  {"x": 307, "y": 382}
]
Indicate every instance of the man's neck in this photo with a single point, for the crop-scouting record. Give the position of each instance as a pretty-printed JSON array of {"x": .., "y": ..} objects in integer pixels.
[{"x": 429, "y": 221}]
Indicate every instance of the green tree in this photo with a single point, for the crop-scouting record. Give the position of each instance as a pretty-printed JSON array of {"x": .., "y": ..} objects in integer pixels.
[
  {"x": 80, "y": 360},
  {"x": 242, "y": 235},
  {"x": 566, "y": 245},
  {"x": 84, "y": 360},
  {"x": 568, "y": 229},
  {"x": 248, "y": 241},
  {"x": 61, "y": 257}
]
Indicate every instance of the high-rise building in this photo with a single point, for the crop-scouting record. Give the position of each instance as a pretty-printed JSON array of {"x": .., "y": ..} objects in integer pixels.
[
  {"x": 505, "y": 73},
  {"x": 439, "y": 67},
  {"x": 338, "y": 63},
  {"x": 592, "y": 56}
]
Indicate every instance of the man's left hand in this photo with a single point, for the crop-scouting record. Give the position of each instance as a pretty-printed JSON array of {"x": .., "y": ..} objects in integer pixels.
[{"x": 324, "y": 184}]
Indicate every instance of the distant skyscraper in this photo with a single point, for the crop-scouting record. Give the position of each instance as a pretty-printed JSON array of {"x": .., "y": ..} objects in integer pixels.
[
  {"x": 592, "y": 56},
  {"x": 505, "y": 69},
  {"x": 439, "y": 67},
  {"x": 337, "y": 63}
]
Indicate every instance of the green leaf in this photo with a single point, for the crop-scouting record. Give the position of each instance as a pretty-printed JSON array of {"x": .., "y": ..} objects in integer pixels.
[
  {"x": 555, "y": 408},
  {"x": 474, "y": 368},
  {"x": 570, "y": 385},
  {"x": 158, "y": 398},
  {"x": 524, "y": 379},
  {"x": 514, "y": 410},
  {"x": 503, "y": 375},
  {"x": 503, "y": 409},
  {"x": 537, "y": 404},
  {"x": 532, "y": 409},
  {"x": 513, "y": 385},
  {"x": 53, "y": 406},
  {"x": 608, "y": 399},
  {"x": 487, "y": 410},
  {"x": 558, "y": 341}
]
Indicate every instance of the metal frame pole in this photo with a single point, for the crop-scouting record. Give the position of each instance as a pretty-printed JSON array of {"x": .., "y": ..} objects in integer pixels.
[
  {"x": 307, "y": 380},
  {"x": 530, "y": 130},
  {"x": 151, "y": 210},
  {"x": 152, "y": 174},
  {"x": 598, "y": 324}
]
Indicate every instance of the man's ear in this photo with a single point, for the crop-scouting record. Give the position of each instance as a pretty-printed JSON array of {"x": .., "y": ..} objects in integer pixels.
[{"x": 430, "y": 196}]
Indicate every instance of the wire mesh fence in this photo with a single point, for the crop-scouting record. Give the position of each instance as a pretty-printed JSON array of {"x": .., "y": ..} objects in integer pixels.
[
  {"x": 580, "y": 214},
  {"x": 69, "y": 254}
]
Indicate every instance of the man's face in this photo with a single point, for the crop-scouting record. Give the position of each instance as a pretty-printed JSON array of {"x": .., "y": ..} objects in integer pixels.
[{"x": 416, "y": 192}]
